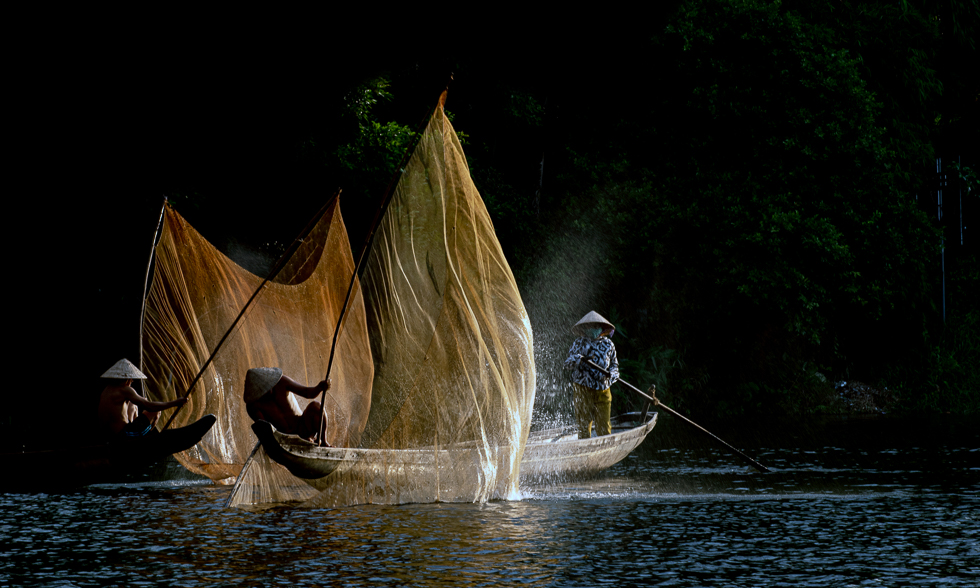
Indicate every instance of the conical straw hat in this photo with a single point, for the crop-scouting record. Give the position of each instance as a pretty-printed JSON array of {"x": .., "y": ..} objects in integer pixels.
[
  {"x": 258, "y": 381},
  {"x": 124, "y": 370},
  {"x": 593, "y": 318}
]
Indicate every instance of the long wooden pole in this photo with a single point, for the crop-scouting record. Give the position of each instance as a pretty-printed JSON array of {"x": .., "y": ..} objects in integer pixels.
[
  {"x": 378, "y": 215},
  {"x": 146, "y": 286},
  {"x": 272, "y": 274},
  {"x": 656, "y": 402},
  {"x": 386, "y": 200},
  {"x": 241, "y": 474}
]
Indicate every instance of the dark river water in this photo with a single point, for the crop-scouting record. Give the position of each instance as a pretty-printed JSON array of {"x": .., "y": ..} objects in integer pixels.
[{"x": 895, "y": 504}]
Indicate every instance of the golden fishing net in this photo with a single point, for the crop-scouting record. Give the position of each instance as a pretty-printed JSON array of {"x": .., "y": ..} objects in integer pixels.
[
  {"x": 452, "y": 346},
  {"x": 195, "y": 296},
  {"x": 447, "y": 337}
]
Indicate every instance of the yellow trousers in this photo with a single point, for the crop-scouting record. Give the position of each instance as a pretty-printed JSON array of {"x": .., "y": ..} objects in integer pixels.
[{"x": 592, "y": 406}]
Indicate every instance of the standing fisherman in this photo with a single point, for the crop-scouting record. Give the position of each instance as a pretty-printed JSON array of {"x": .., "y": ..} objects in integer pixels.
[{"x": 593, "y": 400}]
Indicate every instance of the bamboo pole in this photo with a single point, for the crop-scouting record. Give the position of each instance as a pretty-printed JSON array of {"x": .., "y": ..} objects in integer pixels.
[
  {"x": 378, "y": 215},
  {"x": 385, "y": 201},
  {"x": 146, "y": 286},
  {"x": 653, "y": 399},
  {"x": 241, "y": 474},
  {"x": 272, "y": 274}
]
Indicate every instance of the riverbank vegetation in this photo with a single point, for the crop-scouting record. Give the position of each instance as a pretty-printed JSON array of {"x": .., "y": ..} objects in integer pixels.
[{"x": 761, "y": 221}]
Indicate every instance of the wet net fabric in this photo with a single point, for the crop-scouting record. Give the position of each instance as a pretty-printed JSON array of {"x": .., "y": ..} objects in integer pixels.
[
  {"x": 266, "y": 483},
  {"x": 451, "y": 341},
  {"x": 433, "y": 381},
  {"x": 194, "y": 298},
  {"x": 451, "y": 345}
]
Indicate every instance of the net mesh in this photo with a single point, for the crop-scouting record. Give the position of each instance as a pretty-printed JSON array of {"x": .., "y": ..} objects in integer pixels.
[
  {"x": 451, "y": 341},
  {"x": 196, "y": 294},
  {"x": 441, "y": 328}
]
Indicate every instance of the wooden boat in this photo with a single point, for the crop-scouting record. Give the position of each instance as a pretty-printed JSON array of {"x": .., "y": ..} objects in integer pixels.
[
  {"x": 310, "y": 462},
  {"x": 391, "y": 476},
  {"x": 89, "y": 464},
  {"x": 557, "y": 454},
  {"x": 550, "y": 454}
]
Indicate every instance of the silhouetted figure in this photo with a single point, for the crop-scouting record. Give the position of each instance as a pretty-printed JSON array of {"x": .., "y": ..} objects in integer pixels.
[
  {"x": 119, "y": 404},
  {"x": 267, "y": 399}
]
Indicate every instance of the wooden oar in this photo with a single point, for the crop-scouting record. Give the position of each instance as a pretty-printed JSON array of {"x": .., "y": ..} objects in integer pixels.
[{"x": 656, "y": 402}]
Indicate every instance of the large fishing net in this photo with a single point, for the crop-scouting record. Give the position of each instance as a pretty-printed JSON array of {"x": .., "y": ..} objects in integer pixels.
[
  {"x": 196, "y": 294},
  {"x": 441, "y": 324},
  {"x": 451, "y": 341}
]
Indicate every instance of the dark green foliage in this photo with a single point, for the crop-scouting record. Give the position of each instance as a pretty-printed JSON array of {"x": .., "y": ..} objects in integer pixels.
[
  {"x": 758, "y": 208},
  {"x": 369, "y": 159},
  {"x": 946, "y": 378},
  {"x": 742, "y": 189}
]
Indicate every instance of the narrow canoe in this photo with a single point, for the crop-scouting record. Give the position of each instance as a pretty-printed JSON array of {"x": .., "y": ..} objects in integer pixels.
[
  {"x": 557, "y": 454},
  {"x": 548, "y": 454},
  {"x": 69, "y": 467},
  {"x": 346, "y": 476}
]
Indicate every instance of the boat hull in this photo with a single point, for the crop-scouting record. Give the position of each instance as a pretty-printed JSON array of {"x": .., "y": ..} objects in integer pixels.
[
  {"x": 308, "y": 461},
  {"x": 548, "y": 455},
  {"x": 346, "y": 476},
  {"x": 91, "y": 464},
  {"x": 557, "y": 454},
  {"x": 303, "y": 459}
]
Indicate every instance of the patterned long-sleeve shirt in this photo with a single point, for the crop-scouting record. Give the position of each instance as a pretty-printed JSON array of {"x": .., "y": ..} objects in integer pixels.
[{"x": 602, "y": 352}]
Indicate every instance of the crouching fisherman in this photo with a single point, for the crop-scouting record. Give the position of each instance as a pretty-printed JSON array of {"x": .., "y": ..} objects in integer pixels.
[
  {"x": 119, "y": 404},
  {"x": 267, "y": 399}
]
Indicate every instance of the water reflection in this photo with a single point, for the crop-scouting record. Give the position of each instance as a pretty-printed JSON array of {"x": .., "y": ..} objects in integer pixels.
[{"x": 831, "y": 515}]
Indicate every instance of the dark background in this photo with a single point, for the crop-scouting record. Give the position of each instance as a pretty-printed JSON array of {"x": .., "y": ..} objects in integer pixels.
[{"x": 233, "y": 123}]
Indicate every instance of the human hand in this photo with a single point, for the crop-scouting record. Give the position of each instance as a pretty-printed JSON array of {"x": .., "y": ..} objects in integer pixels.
[{"x": 324, "y": 385}]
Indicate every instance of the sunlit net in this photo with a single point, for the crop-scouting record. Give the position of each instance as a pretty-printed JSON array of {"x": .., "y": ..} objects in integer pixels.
[
  {"x": 195, "y": 296},
  {"x": 451, "y": 341},
  {"x": 441, "y": 331}
]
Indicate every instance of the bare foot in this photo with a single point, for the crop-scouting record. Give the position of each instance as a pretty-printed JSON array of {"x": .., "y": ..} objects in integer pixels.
[{"x": 313, "y": 440}]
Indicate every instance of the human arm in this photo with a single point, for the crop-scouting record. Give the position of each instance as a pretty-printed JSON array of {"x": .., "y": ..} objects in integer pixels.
[
  {"x": 605, "y": 358},
  {"x": 295, "y": 387},
  {"x": 131, "y": 395},
  {"x": 613, "y": 366},
  {"x": 574, "y": 355}
]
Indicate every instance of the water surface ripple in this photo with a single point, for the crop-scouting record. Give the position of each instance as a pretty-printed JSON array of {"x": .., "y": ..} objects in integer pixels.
[{"x": 829, "y": 516}]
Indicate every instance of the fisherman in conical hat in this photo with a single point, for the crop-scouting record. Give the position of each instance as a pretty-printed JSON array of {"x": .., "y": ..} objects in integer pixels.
[
  {"x": 592, "y": 400},
  {"x": 267, "y": 399},
  {"x": 119, "y": 404}
]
